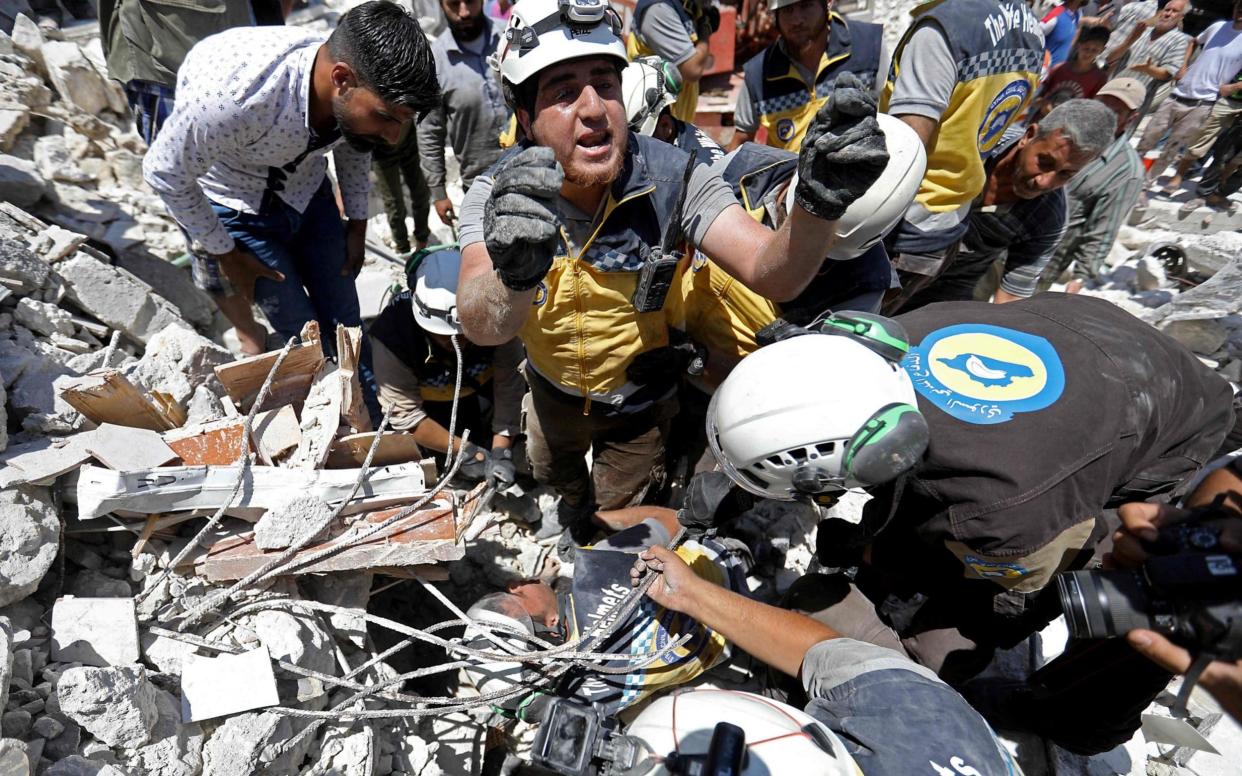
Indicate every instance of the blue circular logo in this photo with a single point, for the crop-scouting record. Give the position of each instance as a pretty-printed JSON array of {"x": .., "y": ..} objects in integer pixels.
[
  {"x": 698, "y": 262},
  {"x": 785, "y": 130},
  {"x": 1001, "y": 113},
  {"x": 541, "y": 294},
  {"x": 985, "y": 374}
]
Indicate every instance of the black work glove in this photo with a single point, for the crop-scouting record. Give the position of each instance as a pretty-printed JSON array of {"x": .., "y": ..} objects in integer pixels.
[
  {"x": 472, "y": 466},
  {"x": 843, "y": 152},
  {"x": 708, "y": 21},
  {"x": 501, "y": 473},
  {"x": 779, "y": 330},
  {"x": 712, "y": 500},
  {"x": 519, "y": 220},
  {"x": 667, "y": 363}
]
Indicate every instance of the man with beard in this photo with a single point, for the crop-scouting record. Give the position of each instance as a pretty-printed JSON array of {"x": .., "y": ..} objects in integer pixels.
[
  {"x": 241, "y": 163},
  {"x": 562, "y": 244},
  {"x": 786, "y": 83},
  {"x": 472, "y": 112}
]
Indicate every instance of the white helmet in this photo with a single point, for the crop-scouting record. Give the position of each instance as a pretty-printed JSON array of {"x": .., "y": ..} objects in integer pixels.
[
  {"x": 875, "y": 213},
  {"x": 434, "y": 287},
  {"x": 817, "y": 413},
  {"x": 649, "y": 86},
  {"x": 543, "y": 33},
  {"x": 779, "y": 738}
]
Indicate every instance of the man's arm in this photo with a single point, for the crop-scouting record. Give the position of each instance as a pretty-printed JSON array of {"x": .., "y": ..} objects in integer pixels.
[
  {"x": 745, "y": 120},
  {"x": 507, "y": 392},
  {"x": 1140, "y": 29},
  {"x": 1029, "y": 255},
  {"x": 777, "y": 637},
  {"x": 775, "y": 264},
  {"x": 432, "y": 136},
  {"x": 928, "y": 75},
  {"x": 491, "y": 313}
]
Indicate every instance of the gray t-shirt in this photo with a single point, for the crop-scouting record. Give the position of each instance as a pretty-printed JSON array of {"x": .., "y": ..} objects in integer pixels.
[
  {"x": 664, "y": 32},
  {"x": 927, "y": 77},
  {"x": 706, "y": 198}
]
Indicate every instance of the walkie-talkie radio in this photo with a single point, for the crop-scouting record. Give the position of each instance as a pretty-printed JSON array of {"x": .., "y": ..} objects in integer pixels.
[{"x": 656, "y": 277}]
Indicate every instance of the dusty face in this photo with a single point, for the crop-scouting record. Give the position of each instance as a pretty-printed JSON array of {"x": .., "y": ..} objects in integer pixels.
[
  {"x": 1171, "y": 15},
  {"x": 365, "y": 120},
  {"x": 464, "y": 17},
  {"x": 802, "y": 24},
  {"x": 538, "y": 600},
  {"x": 1045, "y": 164},
  {"x": 580, "y": 115}
]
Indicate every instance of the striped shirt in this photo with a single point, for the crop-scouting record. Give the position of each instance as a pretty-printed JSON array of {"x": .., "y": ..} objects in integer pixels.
[
  {"x": 1167, "y": 51},
  {"x": 1130, "y": 15},
  {"x": 1100, "y": 198}
]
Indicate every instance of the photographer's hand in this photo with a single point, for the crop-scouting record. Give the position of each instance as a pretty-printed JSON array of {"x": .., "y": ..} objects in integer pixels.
[
  {"x": 1142, "y": 522},
  {"x": 675, "y": 588},
  {"x": 1223, "y": 680}
]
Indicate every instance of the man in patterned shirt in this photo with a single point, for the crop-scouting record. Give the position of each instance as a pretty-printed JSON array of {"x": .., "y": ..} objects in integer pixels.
[{"x": 241, "y": 162}]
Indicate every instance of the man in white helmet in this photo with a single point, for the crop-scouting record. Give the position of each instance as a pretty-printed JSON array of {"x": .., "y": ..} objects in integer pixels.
[
  {"x": 651, "y": 86},
  {"x": 572, "y": 240},
  {"x": 416, "y": 370},
  {"x": 786, "y": 83},
  {"x": 1038, "y": 417}
]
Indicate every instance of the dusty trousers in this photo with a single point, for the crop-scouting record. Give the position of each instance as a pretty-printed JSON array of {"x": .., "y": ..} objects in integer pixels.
[{"x": 627, "y": 449}]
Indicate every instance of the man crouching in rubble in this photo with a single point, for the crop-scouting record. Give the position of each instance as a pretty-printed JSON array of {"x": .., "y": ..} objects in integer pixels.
[{"x": 563, "y": 244}]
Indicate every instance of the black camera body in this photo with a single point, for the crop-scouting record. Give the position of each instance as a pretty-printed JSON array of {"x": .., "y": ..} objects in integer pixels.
[{"x": 1190, "y": 590}]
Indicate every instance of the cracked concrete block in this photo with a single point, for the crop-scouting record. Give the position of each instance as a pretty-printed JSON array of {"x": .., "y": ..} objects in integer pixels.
[
  {"x": 12, "y": 122},
  {"x": 33, "y": 391},
  {"x": 29, "y": 540},
  {"x": 74, "y": 77},
  {"x": 204, "y": 407},
  {"x": 95, "y": 631},
  {"x": 347, "y": 750},
  {"x": 116, "y": 705},
  {"x": 1202, "y": 336},
  {"x": 20, "y": 269},
  {"x": 284, "y": 525},
  {"x": 175, "y": 284},
  {"x": 116, "y": 297},
  {"x": 20, "y": 182},
  {"x": 51, "y": 156},
  {"x": 243, "y": 746},
  {"x": 43, "y": 318},
  {"x": 175, "y": 749},
  {"x": 177, "y": 360}
]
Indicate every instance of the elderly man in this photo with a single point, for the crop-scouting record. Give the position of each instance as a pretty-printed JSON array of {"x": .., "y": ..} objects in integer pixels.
[
  {"x": 241, "y": 162},
  {"x": 1101, "y": 196},
  {"x": 1020, "y": 217},
  {"x": 1156, "y": 49},
  {"x": 574, "y": 261}
]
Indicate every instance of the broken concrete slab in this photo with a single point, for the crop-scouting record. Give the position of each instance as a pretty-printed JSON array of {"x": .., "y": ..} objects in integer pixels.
[
  {"x": 95, "y": 631},
  {"x": 174, "y": 283},
  {"x": 107, "y": 396},
  {"x": 54, "y": 243},
  {"x": 13, "y": 758},
  {"x": 178, "y": 359},
  {"x": 166, "y": 654},
  {"x": 124, "y": 448},
  {"x": 12, "y": 123},
  {"x": 321, "y": 418},
  {"x": 1209, "y": 253},
  {"x": 43, "y": 460},
  {"x": 243, "y": 378},
  {"x": 43, "y": 318},
  {"x": 175, "y": 749},
  {"x": 347, "y": 750},
  {"x": 29, "y": 540},
  {"x": 117, "y": 705},
  {"x": 350, "y": 451},
  {"x": 52, "y": 157},
  {"x": 276, "y": 432},
  {"x": 74, "y": 77},
  {"x": 1202, "y": 336},
  {"x": 289, "y": 523},
  {"x": 116, "y": 297},
  {"x": 186, "y": 488},
  {"x": 20, "y": 269},
  {"x": 20, "y": 182},
  {"x": 212, "y": 444},
  {"x": 426, "y": 536},
  {"x": 245, "y": 745},
  {"x": 347, "y": 589},
  {"x": 204, "y": 407},
  {"x": 77, "y": 765},
  {"x": 215, "y": 686}
]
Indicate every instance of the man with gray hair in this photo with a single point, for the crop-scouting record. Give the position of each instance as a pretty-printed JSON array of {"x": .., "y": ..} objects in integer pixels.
[{"x": 1017, "y": 222}]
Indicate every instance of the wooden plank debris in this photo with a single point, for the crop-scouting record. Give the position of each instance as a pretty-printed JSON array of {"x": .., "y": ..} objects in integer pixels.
[
  {"x": 348, "y": 354},
  {"x": 243, "y": 378},
  {"x": 107, "y": 396},
  {"x": 124, "y": 448},
  {"x": 180, "y": 488},
  {"x": 426, "y": 536},
  {"x": 210, "y": 444},
  {"x": 395, "y": 447}
]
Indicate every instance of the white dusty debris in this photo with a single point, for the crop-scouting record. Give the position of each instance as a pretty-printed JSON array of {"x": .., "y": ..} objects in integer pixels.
[{"x": 117, "y": 704}]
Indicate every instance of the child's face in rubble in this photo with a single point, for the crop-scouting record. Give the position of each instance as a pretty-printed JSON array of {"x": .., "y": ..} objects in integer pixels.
[{"x": 538, "y": 600}]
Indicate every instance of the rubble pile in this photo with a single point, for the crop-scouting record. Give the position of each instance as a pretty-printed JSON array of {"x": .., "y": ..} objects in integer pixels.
[{"x": 152, "y": 486}]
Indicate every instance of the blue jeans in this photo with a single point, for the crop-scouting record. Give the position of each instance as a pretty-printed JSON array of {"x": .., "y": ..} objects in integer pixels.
[{"x": 308, "y": 248}]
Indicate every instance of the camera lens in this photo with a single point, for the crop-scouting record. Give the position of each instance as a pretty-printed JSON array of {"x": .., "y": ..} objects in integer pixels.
[{"x": 1100, "y": 604}]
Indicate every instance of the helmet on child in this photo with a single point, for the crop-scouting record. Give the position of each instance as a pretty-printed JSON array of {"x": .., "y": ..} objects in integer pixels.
[
  {"x": 648, "y": 85},
  {"x": 819, "y": 413},
  {"x": 542, "y": 33},
  {"x": 779, "y": 738},
  {"x": 877, "y": 211},
  {"x": 433, "y": 287}
]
